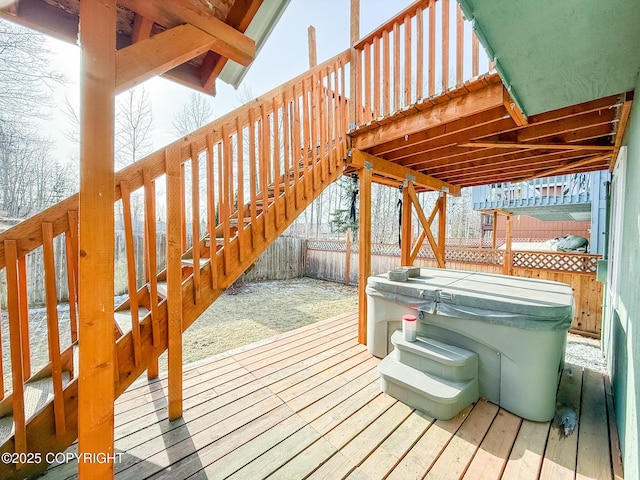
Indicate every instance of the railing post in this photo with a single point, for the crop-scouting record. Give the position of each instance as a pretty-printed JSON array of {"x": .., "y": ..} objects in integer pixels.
[
  {"x": 174, "y": 279},
  {"x": 355, "y": 66},
  {"x": 96, "y": 246}
]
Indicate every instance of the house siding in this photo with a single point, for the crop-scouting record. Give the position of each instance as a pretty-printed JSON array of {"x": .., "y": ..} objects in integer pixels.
[{"x": 621, "y": 325}]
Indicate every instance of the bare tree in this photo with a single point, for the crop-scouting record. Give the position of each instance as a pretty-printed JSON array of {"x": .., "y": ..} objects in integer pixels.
[
  {"x": 30, "y": 179},
  {"x": 26, "y": 78},
  {"x": 134, "y": 122},
  {"x": 195, "y": 114}
]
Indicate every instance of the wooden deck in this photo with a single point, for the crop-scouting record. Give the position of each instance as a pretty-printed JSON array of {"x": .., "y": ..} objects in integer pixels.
[{"x": 307, "y": 404}]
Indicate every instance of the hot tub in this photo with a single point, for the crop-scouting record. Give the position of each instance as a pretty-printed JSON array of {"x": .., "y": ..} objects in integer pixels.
[{"x": 517, "y": 326}]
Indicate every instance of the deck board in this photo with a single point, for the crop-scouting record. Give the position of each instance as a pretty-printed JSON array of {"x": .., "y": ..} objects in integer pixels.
[{"x": 307, "y": 404}]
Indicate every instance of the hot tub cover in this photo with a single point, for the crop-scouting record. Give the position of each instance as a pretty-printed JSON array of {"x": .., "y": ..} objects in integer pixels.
[{"x": 518, "y": 302}]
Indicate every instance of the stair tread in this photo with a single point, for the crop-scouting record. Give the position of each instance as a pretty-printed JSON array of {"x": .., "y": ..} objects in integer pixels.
[
  {"x": 37, "y": 394},
  {"x": 123, "y": 317},
  {"x": 433, "y": 349},
  {"x": 189, "y": 261},
  {"x": 429, "y": 385}
]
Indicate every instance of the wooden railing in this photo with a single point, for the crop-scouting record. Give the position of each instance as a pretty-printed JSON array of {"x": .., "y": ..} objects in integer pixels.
[
  {"x": 235, "y": 183},
  {"x": 424, "y": 50}
]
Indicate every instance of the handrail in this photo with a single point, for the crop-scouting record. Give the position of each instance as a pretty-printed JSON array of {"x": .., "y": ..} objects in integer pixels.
[
  {"x": 398, "y": 64},
  {"x": 237, "y": 180}
]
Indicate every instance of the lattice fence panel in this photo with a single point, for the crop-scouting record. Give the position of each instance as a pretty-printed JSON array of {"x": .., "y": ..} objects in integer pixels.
[
  {"x": 474, "y": 255},
  {"x": 564, "y": 262}
]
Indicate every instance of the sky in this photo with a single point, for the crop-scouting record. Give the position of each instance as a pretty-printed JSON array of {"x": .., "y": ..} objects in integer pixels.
[{"x": 283, "y": 56}]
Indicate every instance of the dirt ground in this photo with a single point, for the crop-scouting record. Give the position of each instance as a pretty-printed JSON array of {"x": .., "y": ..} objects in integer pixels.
[{"x": 249, "y": 312}]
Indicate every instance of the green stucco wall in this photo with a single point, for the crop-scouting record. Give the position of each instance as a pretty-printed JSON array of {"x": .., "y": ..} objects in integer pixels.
[{"x": 623, "y": 323}]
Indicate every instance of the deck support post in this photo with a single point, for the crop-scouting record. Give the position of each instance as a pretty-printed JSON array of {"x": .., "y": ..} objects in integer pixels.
[
  {"x": 96, "y": 247},
  {"x": 507, "y": 266},
  {"x": 175, "y": 202},
  {"x": 494, "y": 239},
  {"x": 364, "y": 237},
  {"x": 442, "y": 228},
  {"x": 405, "y": 231}
]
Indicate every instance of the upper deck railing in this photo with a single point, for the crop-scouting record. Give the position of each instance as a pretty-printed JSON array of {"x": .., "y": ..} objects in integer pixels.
[
  {"x": 425, "y": 50},
  {"x": 559, "y": 190}
]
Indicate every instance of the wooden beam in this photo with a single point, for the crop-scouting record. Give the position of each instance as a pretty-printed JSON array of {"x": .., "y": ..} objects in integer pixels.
[
  {"x": 465, "y": 105},
  {"x": 230, "y": 43},
  {"x": 507, "y": 259},
  {"x": 141, "y": 28},
  {"x": 96, "y": 248},
  {"x": 568, "y": 166},
  {"x": 537, "y": 146},
  {"x": 364, "y": 234},
  {"x": 401, "y": 173},
  {"x": 625, "y": 110},
  {"x": 239, "y": 17},
  {"x": 426, "y": 225},
  {"x": 158, "y": 54},
  {"x": 313, "y": 52},
  {"x": 514, "y": 110}
]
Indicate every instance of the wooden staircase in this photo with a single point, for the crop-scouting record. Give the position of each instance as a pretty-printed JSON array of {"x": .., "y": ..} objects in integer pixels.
[{"x": 246, "y": 176}]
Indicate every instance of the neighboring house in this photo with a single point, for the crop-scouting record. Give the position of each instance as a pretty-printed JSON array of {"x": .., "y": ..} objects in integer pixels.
[
  {"x": 550, "y": 207},
  {"x": 557, "y": 54}
]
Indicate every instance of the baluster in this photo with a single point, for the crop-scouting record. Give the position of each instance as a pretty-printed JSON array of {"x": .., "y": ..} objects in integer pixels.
[
  {"x": 211, "y": 215},
  {"x": 366, "y": 100},
  {"x": 15, "y": 342},
  {"x": 53, "y": 328},
  {"x": 263, "y": 142},
  {"x": 252, "y": 176},
  {"x": 276, "y": 163},
  {"x": 396, "y": 67},
  {"x": 419, "y": 53},
  {"x": 445, "y": 45},
  {"x": 322, "y": 93},
  {"x": 227, "y": 182},
  {"x": 240, "y": 188},
  {"x": 151, "y": 254},
  {"x": 71, "y": 244},
  {"x": 195, "y": 222},
  {"x": 306, "y": 139},
  {"x": 407, "y": 60},
  {"x": 377, "y": 75},
  {"x": 131, "y": 272},
  {"x": 221, "y": 203},
  {"x": 296, "y": 153},
  {"x": 386, "y": 83},
  {"x": 24, "y": 317},
  {"x": 432, "y": 48},
  {"x": 459, "y": 47},
  {"x": 286, "y": 133}
]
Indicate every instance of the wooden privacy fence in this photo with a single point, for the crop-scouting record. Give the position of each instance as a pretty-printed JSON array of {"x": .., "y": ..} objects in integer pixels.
[{"x": 328, "y": 260}]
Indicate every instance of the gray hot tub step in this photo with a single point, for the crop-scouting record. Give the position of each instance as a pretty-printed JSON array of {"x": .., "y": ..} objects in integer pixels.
[
  {"x": 435, "y": 357},
  {"x": 429, "y": 393}
]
